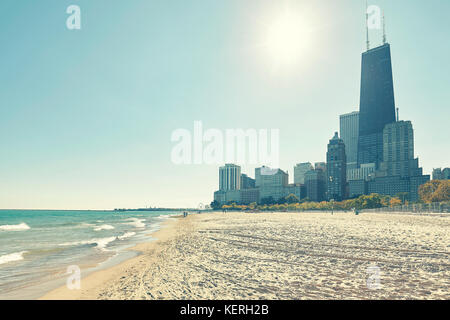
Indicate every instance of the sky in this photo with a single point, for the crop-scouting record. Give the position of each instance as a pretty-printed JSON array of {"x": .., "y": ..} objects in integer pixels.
[{"x": 86, "y": 116}]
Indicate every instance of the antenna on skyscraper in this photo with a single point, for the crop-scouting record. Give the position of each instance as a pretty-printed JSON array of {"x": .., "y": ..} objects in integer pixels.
[
  {"x": 367, "y": 27},
  {"x": 398, "y": 119},
  {"x": 384, "y": 30}
]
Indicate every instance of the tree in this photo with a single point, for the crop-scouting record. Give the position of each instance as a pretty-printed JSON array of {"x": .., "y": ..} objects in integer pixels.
[
  {"x": 252, "y": 206},
  {"x": 215, "y": 205},
  {"x": 267, "y": 200},
  {"x": 403, "y": 196},
  {"x": 369, "y": 201},
  {"x": 442, "y": 193},
  {"x": 292, "y": 198},
  {"x": 435, "y": 191},
  {"x": 304, "y": 200},
  {"x": 395, "y": 202}
]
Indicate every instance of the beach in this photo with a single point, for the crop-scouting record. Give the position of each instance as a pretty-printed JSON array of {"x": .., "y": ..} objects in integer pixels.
[
  {"x": 38, "y": 247},
  {"x": 293, "y": 256}
]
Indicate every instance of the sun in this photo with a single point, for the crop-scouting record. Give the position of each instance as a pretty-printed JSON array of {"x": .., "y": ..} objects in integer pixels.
[{"x": 287, "y": 37}]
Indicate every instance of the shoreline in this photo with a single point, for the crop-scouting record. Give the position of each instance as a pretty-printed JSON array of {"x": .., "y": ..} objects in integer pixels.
[
  {"x": 32, "y": 279},
  {"x": 96, "y": 278},
  {"x": 288, "y": 256}
]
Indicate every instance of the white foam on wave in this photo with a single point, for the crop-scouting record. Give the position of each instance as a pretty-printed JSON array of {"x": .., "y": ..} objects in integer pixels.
[
  {"x": 16, "y": 256},
  {"x": 137, "y": 223},
  {"x": 101, "y": 242},
  {"x": 16, "y": 227},
  {"x": 104, "y": 227},
  {"x": 126, "y": 235}
]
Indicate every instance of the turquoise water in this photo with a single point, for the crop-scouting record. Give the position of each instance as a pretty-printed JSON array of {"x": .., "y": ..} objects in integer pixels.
[{"x": 37, "y": 247}]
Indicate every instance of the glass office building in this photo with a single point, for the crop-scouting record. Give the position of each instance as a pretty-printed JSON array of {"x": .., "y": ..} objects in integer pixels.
[{"x": 377, "y": 105}]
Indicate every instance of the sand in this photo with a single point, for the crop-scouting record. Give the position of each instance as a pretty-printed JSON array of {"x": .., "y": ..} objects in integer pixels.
[{"x": 283, "y": 256}]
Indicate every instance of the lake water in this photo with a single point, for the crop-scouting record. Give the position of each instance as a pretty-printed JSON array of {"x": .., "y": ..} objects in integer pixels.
[{"x": 37, "y": 247}]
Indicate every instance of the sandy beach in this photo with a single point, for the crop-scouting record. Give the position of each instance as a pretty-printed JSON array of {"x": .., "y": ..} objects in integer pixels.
[{"x": 283, "y": 256}]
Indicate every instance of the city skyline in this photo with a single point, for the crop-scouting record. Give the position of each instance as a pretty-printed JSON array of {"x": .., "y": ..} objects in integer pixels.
[
  {"x": 381, "y": 144},
  {"x": 83, "y": 139}
]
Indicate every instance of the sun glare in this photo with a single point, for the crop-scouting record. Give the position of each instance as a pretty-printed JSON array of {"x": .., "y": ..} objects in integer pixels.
[{"x": 287, "y": 38}]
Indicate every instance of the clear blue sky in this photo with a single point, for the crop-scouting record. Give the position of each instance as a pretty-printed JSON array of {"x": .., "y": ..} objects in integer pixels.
[{"x": 86, "y": 116}]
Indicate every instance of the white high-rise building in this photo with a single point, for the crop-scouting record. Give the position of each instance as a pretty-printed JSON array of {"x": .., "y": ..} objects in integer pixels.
[
  {"x": 271, "y": 183},
  {"x": 229, "y": 177},
  {"x": 266, "y": 176}
]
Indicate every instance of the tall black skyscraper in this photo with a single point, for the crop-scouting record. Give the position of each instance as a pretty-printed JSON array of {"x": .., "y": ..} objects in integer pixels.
[{"x": 377, "y": 106}]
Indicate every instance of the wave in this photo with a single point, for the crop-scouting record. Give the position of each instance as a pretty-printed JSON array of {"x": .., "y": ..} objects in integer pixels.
[
  {"x": 104, "y": 227},
  {"x": 16, "y": 256},
  {"x": 137, "y": 223},
  {"x": 17, "y": 227},
  {"x": 126, "y": 235},
  {"x": 101, "y": 242}
]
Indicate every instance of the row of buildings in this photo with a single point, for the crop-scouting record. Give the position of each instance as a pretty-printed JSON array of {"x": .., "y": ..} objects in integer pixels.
[
  {"x": 374, "y": 152},
  {"x": 339, "y": 178},
  {"x": 269, "y": 185},
  {"x": 441, "y": 174}
]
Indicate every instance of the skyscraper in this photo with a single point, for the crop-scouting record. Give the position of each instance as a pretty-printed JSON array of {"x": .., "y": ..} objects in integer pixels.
[
  {"x": 321, "y": 166},
  {"x": 315, "y": 181},
  {"x": 398, "y": 150},
  {"x": 271, "y": 183},
  {"x": 400, "y": 171},
  {"x": 229, "y": 177},
  {"x": 437, "y": 174},
  {"x": 247, "y": 182},
  {"x": 349, "y": 129},
  {"x": 446, "y": 173},
  {"x": 336, "y": 169},
  {"x": 299, "y": 172},
  {"x": 377, "y": 105},
  {"x": 361, "y": 173}
]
